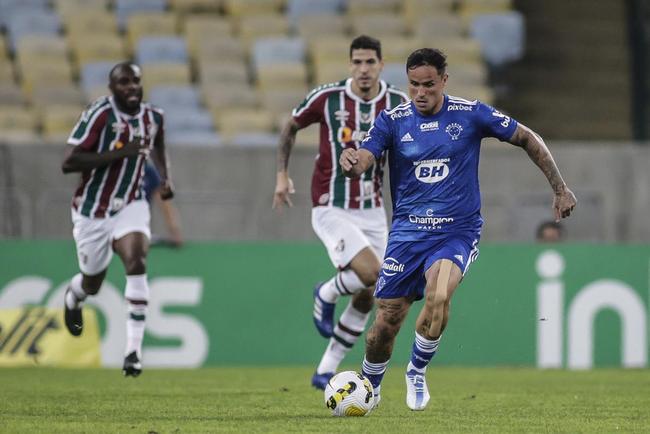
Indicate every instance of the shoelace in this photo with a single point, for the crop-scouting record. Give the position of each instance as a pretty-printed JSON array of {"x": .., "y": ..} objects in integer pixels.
[{"x": 417, "y": 381}]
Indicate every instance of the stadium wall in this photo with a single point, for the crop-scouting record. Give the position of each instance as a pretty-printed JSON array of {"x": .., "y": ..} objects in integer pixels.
[
  {"x": 563, "y": 306},
  {"x": 225, "y": 193}
]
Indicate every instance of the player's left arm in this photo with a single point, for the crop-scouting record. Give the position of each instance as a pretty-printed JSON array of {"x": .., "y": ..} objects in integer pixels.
[
  {"x": 564, "y": 200},
  {"x": 161, "y": 161}
]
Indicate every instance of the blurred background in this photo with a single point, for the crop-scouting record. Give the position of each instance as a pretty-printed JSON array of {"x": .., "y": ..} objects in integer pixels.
[{"x": 228, "y": 73}]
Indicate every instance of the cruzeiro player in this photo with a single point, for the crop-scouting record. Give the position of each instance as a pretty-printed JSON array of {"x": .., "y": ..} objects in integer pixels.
[
  {"x": 433, "y": 145},
  {"x": 109, "y": 146},
  {"x": 348, "y": 214}
]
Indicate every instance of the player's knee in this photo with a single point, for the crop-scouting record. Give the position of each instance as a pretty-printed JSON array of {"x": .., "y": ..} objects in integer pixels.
[
  {"x": 363, "y": 300},
  {"x": 135, "y": 264},
  {"x": 368, "y": 275}
]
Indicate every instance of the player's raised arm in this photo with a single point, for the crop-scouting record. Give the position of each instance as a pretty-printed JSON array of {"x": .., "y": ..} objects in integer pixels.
[
  {"x": 355, "y": 162},
  {"x": 283, "y": 183},
  {"x": 564, "y": 200}
]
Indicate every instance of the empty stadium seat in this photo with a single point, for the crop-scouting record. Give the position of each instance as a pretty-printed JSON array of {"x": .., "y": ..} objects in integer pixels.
[
  {"x": 95, "y": 48},
  {"x": 222, "y": 48},
  {"x": 6, "y": 72},
  {"x": 68, "y": 8},
  {"x": 90, "y": 23},
  {"x": 501, "y": 36},
  {"x": 205, "y": 27},
  {"x": 94, "y": 75},
  {"x": 182, "y": 119},
  {"x": 234, "y": 121},
  {"x": 431, "y": 27},
  {"x": 220, "y": 96},
  {"x": 397, "y": 49},
  {"x": 69, "y": 95},
  {"x": 320, "y": 26},
  {"x": 281, "y": 76},
  {"x": 161, "y": 49},
  {"x": 413, "y": 10},
  {"x": 46, "y": 73},
  {"x": 125, "y": 8},
  {"x": 278, "y": 50},
  {"x": 192, "y": 6},
  {"x": 58, "y": 120},
  {"x": 17, "y": 120},
  {"x": 155, "y": 74},
  {"x": 216, "y": 72},
  {"x": 175, "y": 97},
  {"x": 9, "y": 8},
  {"x": 282, "y": 101},
  {"x": 330, "y": 72},
  {"x": 251, "y": 28},
  {"x": 11, "y": 95},
  {"x": 150, "y": 24},
  {"x": 378, "y": 25},
  {"x": 362, "y": 7},
  {"x": 297, "y": 9},
  {"x": 330, "y": 50},
  {"x": 239, "y": 8},
  {"x": 36, "y": 22}
]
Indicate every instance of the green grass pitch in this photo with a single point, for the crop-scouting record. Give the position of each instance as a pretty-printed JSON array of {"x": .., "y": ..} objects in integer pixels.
[{"x": 279, "y": 399}]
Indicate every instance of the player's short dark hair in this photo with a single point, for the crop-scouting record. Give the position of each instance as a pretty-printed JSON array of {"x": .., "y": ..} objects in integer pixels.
[
  {"x": 119, "y": 67},
  {"x": 427, "y": 57},
  {"x": 549, "y": 224},
  {"x": 366, "y": 42}
]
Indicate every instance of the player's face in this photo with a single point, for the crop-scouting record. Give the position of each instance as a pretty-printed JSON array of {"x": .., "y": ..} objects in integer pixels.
[
  {"x": 126, "y": 86},
  {"x": 365, "y": 68},
  {"x": 426, "y": 88}
]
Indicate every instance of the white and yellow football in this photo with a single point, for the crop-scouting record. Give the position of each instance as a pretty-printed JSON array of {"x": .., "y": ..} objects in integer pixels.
[{"x": 349, "y": 393}]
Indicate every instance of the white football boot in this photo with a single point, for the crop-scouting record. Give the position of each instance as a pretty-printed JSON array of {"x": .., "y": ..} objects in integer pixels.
[{"x": 417, "y": 394}]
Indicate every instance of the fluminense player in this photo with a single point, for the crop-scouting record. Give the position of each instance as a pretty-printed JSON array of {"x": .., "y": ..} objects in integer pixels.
[
  {"x": 348, "y": 214},
  {"x": 109, "y": 146},
  {"x": 433, "y": 143}
]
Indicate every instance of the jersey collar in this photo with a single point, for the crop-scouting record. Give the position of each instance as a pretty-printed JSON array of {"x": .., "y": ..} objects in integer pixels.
[{"x": 355, "y": 97}]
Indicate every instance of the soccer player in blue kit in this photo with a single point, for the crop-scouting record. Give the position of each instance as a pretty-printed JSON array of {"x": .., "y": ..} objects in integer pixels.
[{"x": 433, "y": 143}]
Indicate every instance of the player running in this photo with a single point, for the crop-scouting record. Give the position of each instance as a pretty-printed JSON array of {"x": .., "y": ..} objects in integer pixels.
[
  {"x": 434, "y": 144},
  {"x": 348, "y": 214}
]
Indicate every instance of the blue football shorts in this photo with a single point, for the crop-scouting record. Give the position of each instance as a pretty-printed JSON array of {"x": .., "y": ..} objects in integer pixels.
[{"x": 405, "y": 262}]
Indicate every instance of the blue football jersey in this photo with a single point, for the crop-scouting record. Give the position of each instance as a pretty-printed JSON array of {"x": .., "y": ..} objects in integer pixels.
[{"x": 433, "y": 162}]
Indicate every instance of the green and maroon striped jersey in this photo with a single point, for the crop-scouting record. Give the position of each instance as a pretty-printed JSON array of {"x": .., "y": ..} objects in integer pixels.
[
  {"x": 104, "y": 191},
  {"x": 344, "y": 121}
]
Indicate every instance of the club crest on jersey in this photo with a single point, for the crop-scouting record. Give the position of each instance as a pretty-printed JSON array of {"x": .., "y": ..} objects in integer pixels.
[
  {"x": 365, "y": 118},
  {"x": 454, "y": 129},
  {"x": 341, "y": 115},
  {"x": 118, "y": 128}
]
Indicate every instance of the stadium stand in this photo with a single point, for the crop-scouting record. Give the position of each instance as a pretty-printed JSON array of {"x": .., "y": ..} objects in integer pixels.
[{"x": 261, "y": 56}]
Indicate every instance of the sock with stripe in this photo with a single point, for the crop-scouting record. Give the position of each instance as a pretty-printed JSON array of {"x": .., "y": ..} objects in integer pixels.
[
  {"x": 346, "y": 333},
  {"x": 422, "y": 352},
  {"x": 343, "y": 283},
  {"x": 75, "y": 297},
  {"x": 375, "y": 373},
  {"x": 137, "y": 314}
]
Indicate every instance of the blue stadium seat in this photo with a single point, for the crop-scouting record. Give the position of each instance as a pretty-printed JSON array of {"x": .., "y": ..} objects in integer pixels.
[
  {"x": 175, "y": 97},
  {"x": 8, "y": 8},
  {"x": 161, "y": 49},
  {"x": 301, "y": 8},
  {"x": 278, "y": 50},
  {"x": 24, "y": 22},
  {"x": 180, "y": 119},
  {"x": 126, "y": 8},
  {"x": 94, "y": 75},
  {"x": 501, "y": 36}
]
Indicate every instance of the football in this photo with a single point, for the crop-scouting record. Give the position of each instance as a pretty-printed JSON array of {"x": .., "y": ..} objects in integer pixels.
[{"x": 349, "y": 393}]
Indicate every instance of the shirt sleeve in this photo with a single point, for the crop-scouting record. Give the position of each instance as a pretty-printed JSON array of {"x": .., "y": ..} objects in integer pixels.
[
  {"x": 379, "y": 137},
  {"x": 494, "y": 123},
  {"x": 310, "y": 111},
  {"x": 88, "y": 129}
]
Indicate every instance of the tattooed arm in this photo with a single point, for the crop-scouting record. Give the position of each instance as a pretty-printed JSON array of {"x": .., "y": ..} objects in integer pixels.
[
  {"x": 564, "y": 200},
  {"x": 284, "y": 184}
]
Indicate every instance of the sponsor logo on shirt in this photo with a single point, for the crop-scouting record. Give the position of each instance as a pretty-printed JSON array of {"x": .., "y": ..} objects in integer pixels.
[
  {"x": 431, "y": 171},
  {"x": 429, "y": 221},
  {"x": 429, "y": 126},
  {"x": 506, "y": 119},
  {"x": 401, "y": 114},
  {"x": 391, "y": 266},
  {"x": 406, "y": 138},
  {"x": 346, "y": 134},
  {"x": 457, "y": 107},
  {"x": 454, "y": 129},
  {"x": 341, "y": 115}
]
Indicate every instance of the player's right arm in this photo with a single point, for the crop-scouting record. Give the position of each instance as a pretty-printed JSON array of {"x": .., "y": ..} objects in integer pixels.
[
  {"x": 78, "y": 159},
  {"x": 355, "y": 162},
  {"x": 283, "y": 183}
]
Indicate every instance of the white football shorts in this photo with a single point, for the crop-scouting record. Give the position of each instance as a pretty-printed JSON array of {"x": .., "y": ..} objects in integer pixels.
[
  {"x": 94, "y": 237},
  {"x": 345, "y": 232}
]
